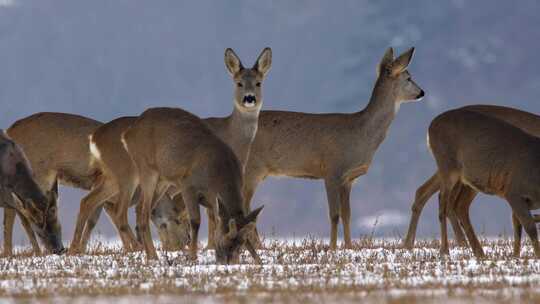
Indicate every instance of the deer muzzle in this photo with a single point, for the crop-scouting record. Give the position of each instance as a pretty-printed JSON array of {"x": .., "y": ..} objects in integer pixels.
[{"x": 249, "y": 101}]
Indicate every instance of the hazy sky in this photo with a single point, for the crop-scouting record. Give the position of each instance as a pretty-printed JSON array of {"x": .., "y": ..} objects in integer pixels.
[{"x": 110, "y": 58}]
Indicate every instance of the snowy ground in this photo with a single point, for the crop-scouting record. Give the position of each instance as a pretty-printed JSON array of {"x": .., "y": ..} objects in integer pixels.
[{"x": 374, "y": 271}]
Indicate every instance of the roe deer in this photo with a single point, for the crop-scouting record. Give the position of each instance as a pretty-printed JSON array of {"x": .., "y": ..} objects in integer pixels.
[
  {"x": 488, "y": 155},
  {"x": 117, "y": 172},
  {"x": 335, "y": 147},
  {"x": 526, "y": 121},
  {"x": 172, "y": 148},
  {"x": 56, "y": 145},
  {"x": 237, "y": 130},
  {"x": 20, "y": 193}
]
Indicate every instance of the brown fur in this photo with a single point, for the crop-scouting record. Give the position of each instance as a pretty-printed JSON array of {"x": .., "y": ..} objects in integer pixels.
[
  {"x": 56, "y": 145},
  {"x": 487, "y": 155},
  {"x": 173, "y": 148},
  {"x": 237, "y": 130},
  {"x": 526, "y": 121},
  {"x": 335, "y": 147},
  {"x": 19, "y": 193}
]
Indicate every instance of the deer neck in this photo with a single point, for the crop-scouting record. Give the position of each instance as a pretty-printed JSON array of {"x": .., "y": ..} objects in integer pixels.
[
  {"x": 379, "y": 113},
  {"x": 242, "y": 127}
]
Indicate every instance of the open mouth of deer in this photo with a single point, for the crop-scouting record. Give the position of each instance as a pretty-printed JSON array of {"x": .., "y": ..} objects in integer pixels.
[{"x": 249, "y": 101}]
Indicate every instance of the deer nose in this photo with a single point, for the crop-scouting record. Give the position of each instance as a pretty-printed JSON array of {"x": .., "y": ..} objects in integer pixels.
[
  {"x": 249, "y": 100},
  {"x": 422, "y": 93}
]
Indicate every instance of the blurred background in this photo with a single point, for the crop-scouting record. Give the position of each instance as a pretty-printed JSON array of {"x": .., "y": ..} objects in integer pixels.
[{"x": 109, "y": 58}]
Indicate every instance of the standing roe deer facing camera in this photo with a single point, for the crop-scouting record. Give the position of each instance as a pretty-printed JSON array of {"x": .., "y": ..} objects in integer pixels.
[
  {"x": 488, "y": 155},
  {"x": 237, "y": 130},
  {"x": 172, "y": 148},
  {"x": 20, "y": 193},
  {"x": 335, "y": 147},
  {"x": 526, "y": 121},
  {"x": 56, "y": 145}
]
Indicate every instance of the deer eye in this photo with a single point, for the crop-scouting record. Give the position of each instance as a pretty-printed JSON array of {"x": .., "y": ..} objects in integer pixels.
[
  {"x": 239, "y": 84},
  {"x": 258, "y": 84}
]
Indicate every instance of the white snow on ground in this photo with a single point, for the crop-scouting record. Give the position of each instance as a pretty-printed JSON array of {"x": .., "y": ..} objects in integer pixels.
[{"x": 301, "y": 267}]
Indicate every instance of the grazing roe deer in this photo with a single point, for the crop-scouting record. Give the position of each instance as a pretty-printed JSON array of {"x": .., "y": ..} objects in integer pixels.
[
  {"x": 107, "y": 152},
  {"x": 56, "y": 145},
  {"x": 174, "y": 149},
  {"x": 335, "y": 147},
  {"x": 491, "y": 156},
  {"x": 526, "y": 121},
  {"x": 237, "y": 130},
  {"x": 20, "y": 193}
]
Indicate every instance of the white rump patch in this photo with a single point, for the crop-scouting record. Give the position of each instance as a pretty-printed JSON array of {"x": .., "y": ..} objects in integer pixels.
[
  {"x": 124, "y": 143},
  {"x": 93, "y": 148}
]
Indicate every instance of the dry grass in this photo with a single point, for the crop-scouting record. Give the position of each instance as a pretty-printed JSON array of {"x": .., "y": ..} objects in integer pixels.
[{"x": 375, "y": 270}]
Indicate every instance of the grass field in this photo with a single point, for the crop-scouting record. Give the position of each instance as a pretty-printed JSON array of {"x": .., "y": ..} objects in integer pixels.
[{"x": 374, "y": 271}]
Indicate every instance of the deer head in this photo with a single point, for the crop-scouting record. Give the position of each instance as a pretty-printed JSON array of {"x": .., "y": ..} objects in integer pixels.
[
  {"x": 233, "y": 233},
  {"x": 394, "y": 72},
  {"x": 248, "y": 81},
  {"x": 17, "y": 177}
]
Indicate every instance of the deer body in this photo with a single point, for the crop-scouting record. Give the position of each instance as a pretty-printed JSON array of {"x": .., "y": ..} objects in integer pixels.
[
  {"x": 57, "y": 147},
  {"x": 491, "y": 156},
  {"x": 119, "y": 176},
  {"x": 20, "y": 193},
  {"x": 174, "y": 149},
  {"x": 526, "y": 121},
  {"x": 335, "y": 147}
]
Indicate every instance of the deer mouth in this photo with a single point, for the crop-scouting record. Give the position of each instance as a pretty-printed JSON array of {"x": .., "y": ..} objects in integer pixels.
[{"x": 249, "y": 101}]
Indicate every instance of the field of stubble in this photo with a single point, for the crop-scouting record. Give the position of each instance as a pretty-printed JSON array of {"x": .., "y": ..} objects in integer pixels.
[{"x": 374, "y": 271}]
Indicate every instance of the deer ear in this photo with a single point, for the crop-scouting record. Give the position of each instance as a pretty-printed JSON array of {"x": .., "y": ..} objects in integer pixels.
[
  {"x": 264, "y": 62},
  {"x": 252, "y": 216},
  {"x": 386, "y": 60},
  {"x": 402, "y": 62},
  {"x": 232, "y": 62}
]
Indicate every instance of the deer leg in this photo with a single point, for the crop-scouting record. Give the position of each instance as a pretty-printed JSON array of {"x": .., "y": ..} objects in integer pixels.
[
  {"x": 30, "y": 233},
  {"x": 194, "y": 214},
  {"x": 9, "y": 221},
  {"x": 460, "y": 192},
  {"x": 332, "y": 192},
  {"x": 119, "y": 215},
  {"x": 89, "y": 227},
  {"x": 149, "y": 181},
  {"x": 462, "y": 207},
  {"x": 94, "y": 199},
  {"x": 520, "y": 208},
  {"x": 120, "y": 221},
  {"x": 138, "y": 213},
  {"x": 250, "y": 185},
  {"x": 517, "y": 235},
  {"x": 421, "y": 198},
  {"x": 345, "y": 213},
  {"x": 445, "y": 199},
  {"x": 517, "y": 232}
]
